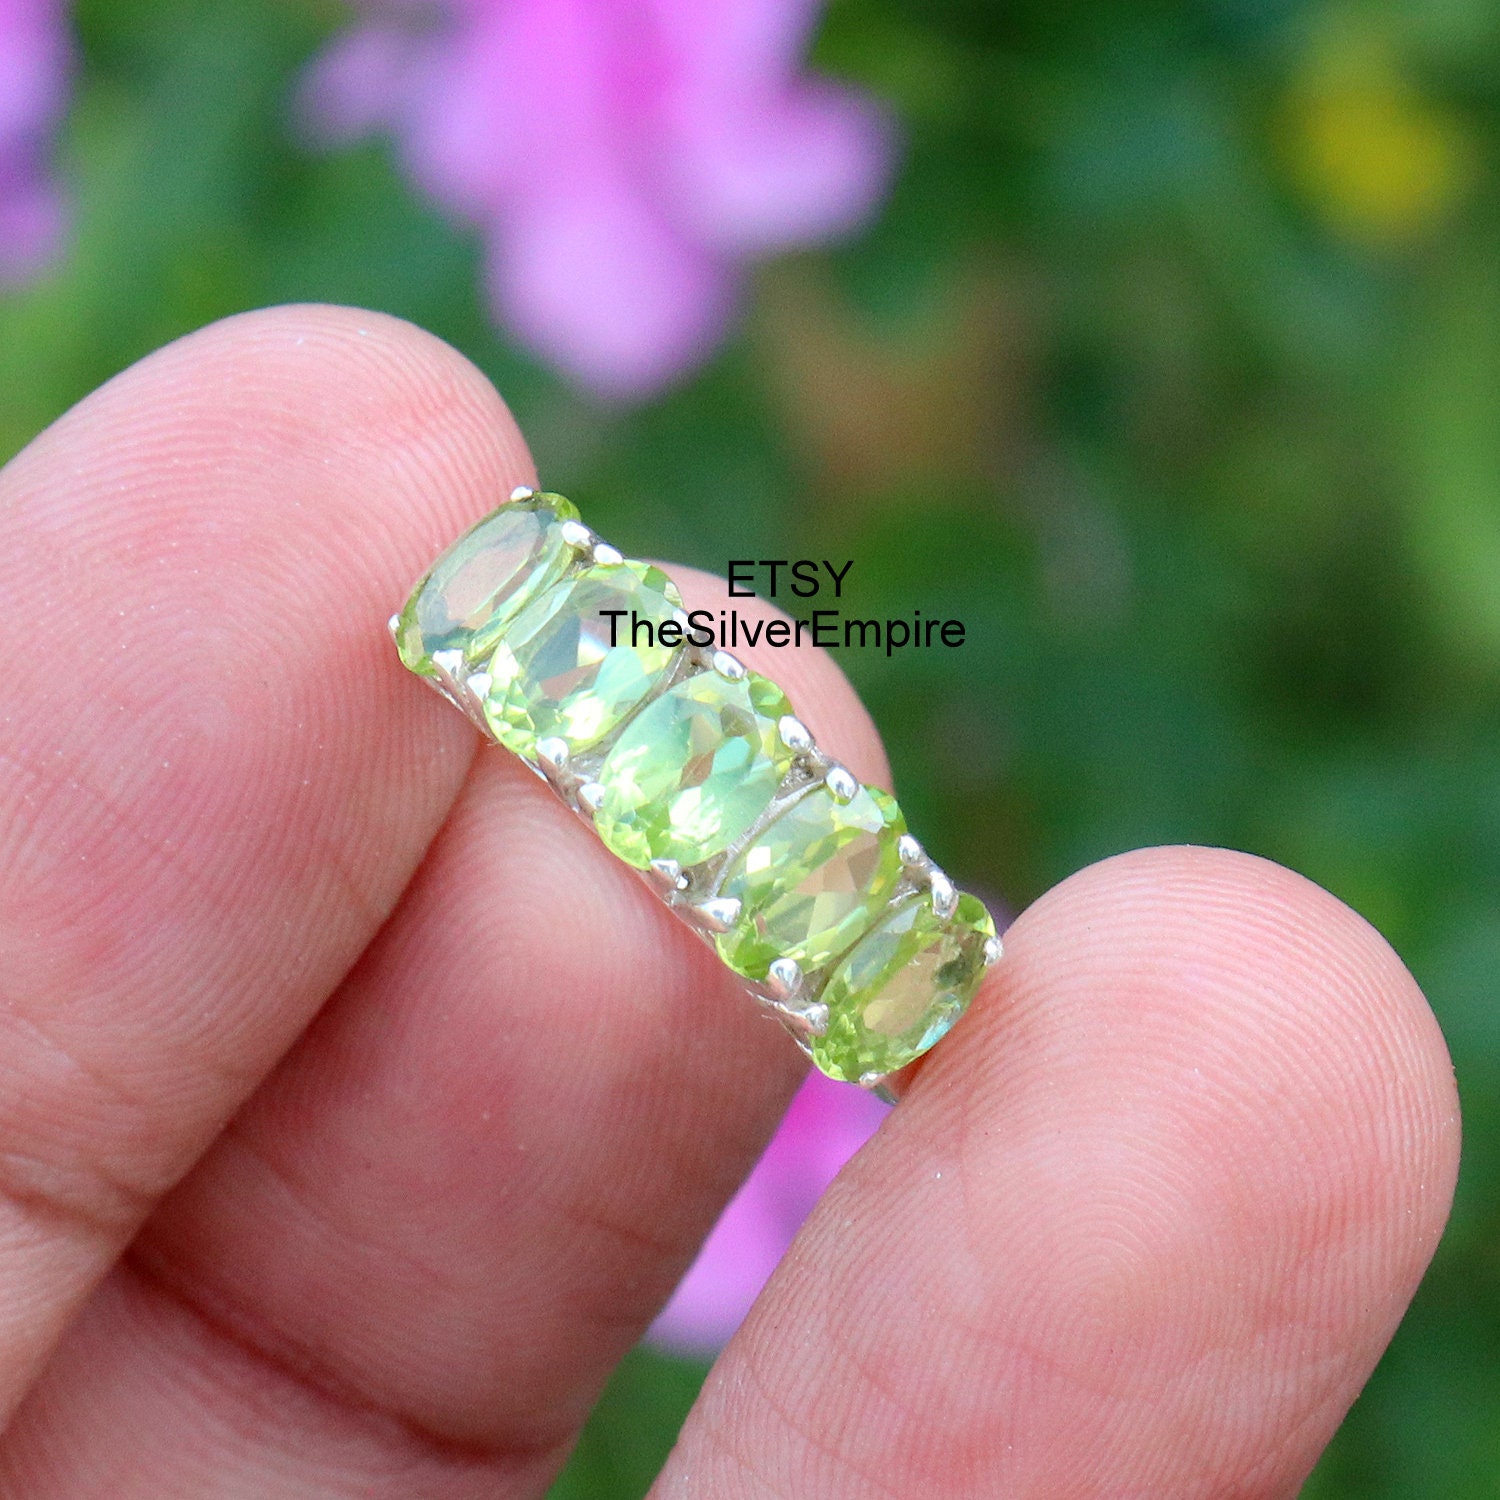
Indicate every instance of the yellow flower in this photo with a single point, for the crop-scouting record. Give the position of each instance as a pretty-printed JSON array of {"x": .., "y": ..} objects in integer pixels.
[{"x": 1382, "y": 164}]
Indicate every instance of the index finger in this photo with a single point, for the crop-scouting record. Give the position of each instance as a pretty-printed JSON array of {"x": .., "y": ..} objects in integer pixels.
[{"x": 212, "y": 786}]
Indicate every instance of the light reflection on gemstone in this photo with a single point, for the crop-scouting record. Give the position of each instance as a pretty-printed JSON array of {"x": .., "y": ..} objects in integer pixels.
[
  {"x": 901, "y": 987},
  {"x": 694, "y": 770},
  {"x": 812, "y": 881},
  {"x": 565, "y": 666},
  {"x": 483, "y": 580}
]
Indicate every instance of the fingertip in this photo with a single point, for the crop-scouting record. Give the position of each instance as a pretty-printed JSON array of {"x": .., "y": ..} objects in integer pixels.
[
  {"x": 1230, "y": 952},
  {"x": 1261, "y": 1022},
  {"x": 1143, "y": 1223}
]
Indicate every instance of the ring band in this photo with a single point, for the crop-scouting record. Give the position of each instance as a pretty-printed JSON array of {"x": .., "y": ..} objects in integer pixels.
[{"x": 697, "y": 772}]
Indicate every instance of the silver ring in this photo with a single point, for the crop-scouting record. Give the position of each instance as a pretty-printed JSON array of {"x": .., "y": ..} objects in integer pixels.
[{"x": 698, "y": 773}]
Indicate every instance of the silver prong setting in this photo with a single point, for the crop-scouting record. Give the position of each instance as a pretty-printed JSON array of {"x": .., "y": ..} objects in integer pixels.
[
  {"x": 815, "y": 1018},
  {"x": 607, "y": 556},
  {"x": 910, "y": 852},
  {"x": 523, "y": 492},
  {"x": 450, "y": 666},
  {"x": 944, "y": 894},
  {"x": 795, "y": 735},
  {"x": 784, "y": 981},
  {"x": 994, "y": 951},
  {"x": 552, "y": 755},
  {"x": 452, "y": 677},
  {"x": 394, "y": 626},
  {"x": 731, "y": 668},
  {"x": 718, "y": 914},
  {"x": 666, "y": 875},
  {"x": 577, "y": 536},
  {"x": 841, "y": 783},
  {"x": 805, "y": 1022},
  {"x": 590, "y": 797},
  {"x": 448, "y": 671}
]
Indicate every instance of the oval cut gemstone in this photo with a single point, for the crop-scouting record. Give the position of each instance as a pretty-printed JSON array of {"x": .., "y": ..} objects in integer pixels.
[
  {"x": 555, "y": 671},
  {"x": 901, "y": 986},
  {"x": 693, "y": 770},
  {"x": 483, "y": 580},
  {"x": 811, "y": 882}
]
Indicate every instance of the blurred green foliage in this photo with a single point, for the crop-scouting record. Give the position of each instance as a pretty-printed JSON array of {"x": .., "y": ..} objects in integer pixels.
[{"x": 1172, "y": 368}]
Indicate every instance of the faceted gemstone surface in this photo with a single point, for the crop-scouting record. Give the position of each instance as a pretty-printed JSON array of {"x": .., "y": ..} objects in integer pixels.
[
  {"x": 554, "y": 671},
  {"x": 693, "y": 770},
  {"x": 901, "y": 986},
  {"x": 483, "y": 580},
  {"x": 812, "y": 881}
]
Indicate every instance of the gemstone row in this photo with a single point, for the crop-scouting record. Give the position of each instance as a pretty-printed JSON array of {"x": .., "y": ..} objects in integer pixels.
[{"x": 697, "y": 772}]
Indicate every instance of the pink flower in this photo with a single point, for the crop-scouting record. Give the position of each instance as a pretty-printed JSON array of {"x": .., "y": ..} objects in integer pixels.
[
  {"x": 827, "y": 1123},
  {"x": 623, "y": 159},
  {"x": 34, "y": 56}
]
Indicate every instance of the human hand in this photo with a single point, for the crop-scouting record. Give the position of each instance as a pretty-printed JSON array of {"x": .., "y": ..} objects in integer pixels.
[{"x": 359, "y": 1111}]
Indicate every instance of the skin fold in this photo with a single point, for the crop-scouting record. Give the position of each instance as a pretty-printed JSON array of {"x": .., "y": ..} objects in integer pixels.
[{"x": 359, "y": 1111}]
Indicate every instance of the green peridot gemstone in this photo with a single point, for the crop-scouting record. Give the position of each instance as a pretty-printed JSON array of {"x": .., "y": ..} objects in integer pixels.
[
  {"x": 554, "y": 671},
  {"x": 901, "y": 986},
  {"x": 693, "y": 770},
  {"x": 812, "y": 881},
  {"x": 489, "y": 574}
]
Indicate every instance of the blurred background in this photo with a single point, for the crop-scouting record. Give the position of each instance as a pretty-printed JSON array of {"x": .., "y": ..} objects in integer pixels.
[{"x": 1158, "y": 342}]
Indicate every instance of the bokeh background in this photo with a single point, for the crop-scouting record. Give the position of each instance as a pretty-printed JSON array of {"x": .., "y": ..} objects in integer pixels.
[{"x": 1159, "y": 342}]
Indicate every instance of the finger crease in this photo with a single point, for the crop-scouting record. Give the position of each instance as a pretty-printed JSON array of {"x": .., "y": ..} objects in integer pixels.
[{"x": 315, "y": 1381}]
